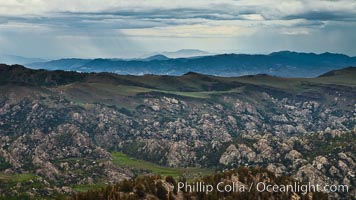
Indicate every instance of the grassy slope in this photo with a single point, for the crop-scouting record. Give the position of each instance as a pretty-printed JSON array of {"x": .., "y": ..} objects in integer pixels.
[
  {"x": 123, "y": 160},
  {"x": 195, "y": 86},
  {"x": 84, "y": 188},
  {"x": 25, "y": 182},
  {"x": 141, "y": 166},
  {"x": 344, "y": 77},
  {"x": 17, "y": 177}
]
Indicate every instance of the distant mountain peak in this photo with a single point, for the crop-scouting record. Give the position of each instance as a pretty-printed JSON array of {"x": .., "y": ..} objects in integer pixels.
[
  {"x": 191, "y": 50},
  {"x": 14, "y": 59},
  {"x": 190, "y": 73},
  {"x": 156, "y": 57},
  {"x": 185, "y": 53}
]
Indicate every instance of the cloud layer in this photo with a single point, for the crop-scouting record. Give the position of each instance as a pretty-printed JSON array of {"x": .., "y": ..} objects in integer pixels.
[{"x": 108, "y": 28}]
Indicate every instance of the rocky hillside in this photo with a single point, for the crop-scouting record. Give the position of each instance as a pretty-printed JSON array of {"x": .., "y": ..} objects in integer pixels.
[{"x": 58, "y": 129}]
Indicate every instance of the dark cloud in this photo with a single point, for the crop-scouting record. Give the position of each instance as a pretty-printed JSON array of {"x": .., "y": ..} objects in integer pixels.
[
  {"x": 87, "y": 21},
  {"x": 131, "y": 19},
  {"x": 324, "y": 16},
  {"x": 155, "y": 14}
]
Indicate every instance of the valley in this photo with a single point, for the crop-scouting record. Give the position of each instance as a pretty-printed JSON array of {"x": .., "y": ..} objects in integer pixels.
[{"x": 62, "y": 132}]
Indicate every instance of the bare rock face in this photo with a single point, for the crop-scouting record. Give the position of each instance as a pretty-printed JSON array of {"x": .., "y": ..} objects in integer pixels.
[
  {"x": 334, "y": 171},
  {"x": 343, "y": 166},
  {"x": 247, "y": 153},
  {"x": 278, "y": 169},
  {"x": 265, "y": 151},
  {"x": 239, "y": 156},
  {"x": 47, "y": 170},
  {"x": 231, "y": 155},
  {"x": 178, "y": 152},
  {"x": 310, "y": 174},
  {"x": 293, "y": 155},
  {"x": 321, "y": 163},
  {"x": 155, "y": 108}
]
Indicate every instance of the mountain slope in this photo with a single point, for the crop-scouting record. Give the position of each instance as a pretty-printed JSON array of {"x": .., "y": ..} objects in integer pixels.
[
  {"x": 63, "y": 64},
  {"x": 156, "y": 57}
]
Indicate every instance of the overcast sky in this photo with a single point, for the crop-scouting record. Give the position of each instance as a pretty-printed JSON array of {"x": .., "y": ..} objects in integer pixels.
[{"x": 130, "y": 28}]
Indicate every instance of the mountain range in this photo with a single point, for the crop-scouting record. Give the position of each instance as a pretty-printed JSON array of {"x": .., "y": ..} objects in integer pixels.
[
  {"x": 185, "y": 53},
  {"x": 284, "y": 64}
]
